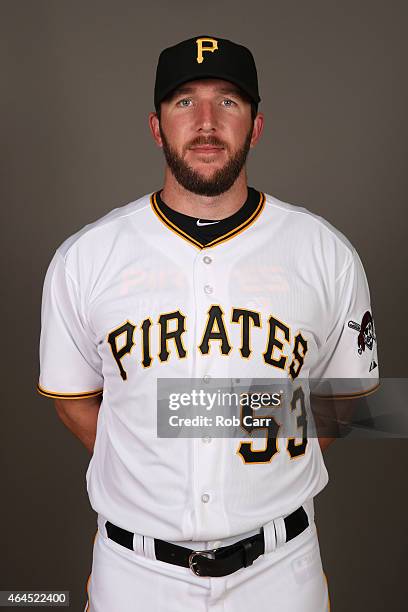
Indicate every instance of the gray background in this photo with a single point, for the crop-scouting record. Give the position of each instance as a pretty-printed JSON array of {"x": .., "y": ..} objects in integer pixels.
[{"x": 77, "y": 84}]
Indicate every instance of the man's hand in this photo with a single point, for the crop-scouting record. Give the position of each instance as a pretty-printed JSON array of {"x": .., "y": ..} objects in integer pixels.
[{"x": 80, "y": 416}]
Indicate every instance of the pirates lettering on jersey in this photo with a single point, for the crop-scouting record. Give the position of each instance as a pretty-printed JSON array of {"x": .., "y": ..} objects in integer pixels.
[
  {"x": 246, "y": 318},
  {"x": 173, "y": 325},
  {"x": 298, "y": 356},
  {"x": 127, "y": 329},
  {"x": 166, "y": 335},
  {"x": 215, "y": 330}
]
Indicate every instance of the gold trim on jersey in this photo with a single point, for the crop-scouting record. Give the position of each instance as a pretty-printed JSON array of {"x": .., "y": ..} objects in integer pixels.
[
  {"x": 345, "y": 396},
  {"x": 237, "y": 230},
  {"x": 55, "y": 395}
]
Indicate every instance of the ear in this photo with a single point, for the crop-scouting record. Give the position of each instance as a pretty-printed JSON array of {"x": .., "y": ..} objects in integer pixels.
[
  {"x": 155, "y": 129},
  {"x": 257, "y": 129}
]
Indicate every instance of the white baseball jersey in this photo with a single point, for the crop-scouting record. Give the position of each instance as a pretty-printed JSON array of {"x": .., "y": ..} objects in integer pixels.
[{"x": 131, "y": 298}]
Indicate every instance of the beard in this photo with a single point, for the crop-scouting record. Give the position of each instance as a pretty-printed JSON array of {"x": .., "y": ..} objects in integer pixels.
[{"x": 193, "y": 181}]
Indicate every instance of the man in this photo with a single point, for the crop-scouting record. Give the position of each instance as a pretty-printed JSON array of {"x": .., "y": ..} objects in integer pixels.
[{"x": 206, "y": 279}]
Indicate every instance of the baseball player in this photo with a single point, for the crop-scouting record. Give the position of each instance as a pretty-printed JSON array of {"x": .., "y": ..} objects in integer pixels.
[{"x": 206, "y": 278}]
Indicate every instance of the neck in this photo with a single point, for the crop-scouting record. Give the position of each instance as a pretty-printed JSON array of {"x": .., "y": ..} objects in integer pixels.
[{"x": 204, "y": 207}]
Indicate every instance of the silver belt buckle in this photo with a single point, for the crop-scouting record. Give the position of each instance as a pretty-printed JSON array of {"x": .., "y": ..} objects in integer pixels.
[{"x": 209, "y": 554}]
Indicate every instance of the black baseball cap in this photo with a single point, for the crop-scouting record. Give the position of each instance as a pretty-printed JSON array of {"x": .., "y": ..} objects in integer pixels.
[{"x": 205, "y": 57}]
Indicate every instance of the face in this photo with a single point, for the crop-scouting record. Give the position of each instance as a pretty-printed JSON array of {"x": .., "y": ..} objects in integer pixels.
[{"x": 206, "y": 131}]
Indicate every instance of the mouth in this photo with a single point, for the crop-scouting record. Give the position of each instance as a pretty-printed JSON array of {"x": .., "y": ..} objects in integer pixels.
[{"x": 206, "y": 149}]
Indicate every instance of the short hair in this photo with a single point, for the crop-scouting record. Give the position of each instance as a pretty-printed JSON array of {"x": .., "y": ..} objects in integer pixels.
[{"x": 243, "y": 94}]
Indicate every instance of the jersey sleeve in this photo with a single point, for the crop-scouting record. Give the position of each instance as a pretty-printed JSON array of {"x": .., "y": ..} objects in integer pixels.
[
  {"x": 70, "y": 366},
  {"x": 347, "y": 361}
]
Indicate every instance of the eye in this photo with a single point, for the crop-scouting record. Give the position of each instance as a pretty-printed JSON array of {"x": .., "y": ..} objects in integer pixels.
[
  {"x": 184, "y": 102},
  {"x": 229, "y": 102}
]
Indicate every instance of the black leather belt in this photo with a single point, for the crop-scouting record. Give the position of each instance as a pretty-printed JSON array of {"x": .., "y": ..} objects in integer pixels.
[{"x": 219, "y": 561}]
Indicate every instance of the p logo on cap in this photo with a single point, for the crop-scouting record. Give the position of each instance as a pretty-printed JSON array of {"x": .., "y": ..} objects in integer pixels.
[{"x": 201, "y": 48}]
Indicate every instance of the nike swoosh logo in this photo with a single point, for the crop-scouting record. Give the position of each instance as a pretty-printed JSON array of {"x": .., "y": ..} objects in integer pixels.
[{"x": 207, "y": 223}]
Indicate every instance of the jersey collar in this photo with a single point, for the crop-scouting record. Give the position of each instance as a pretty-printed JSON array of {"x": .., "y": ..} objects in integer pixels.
[{"x": 233, "y": 225}]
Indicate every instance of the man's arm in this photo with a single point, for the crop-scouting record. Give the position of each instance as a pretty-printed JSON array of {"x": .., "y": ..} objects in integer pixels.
[
  {"x": 325, "y": 442},
  {"x": 332, "y": 417},
  {"x": 80, "y": 416}
]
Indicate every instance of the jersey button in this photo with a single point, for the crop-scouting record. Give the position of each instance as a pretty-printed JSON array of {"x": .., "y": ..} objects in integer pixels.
[
  {"x": 206, "y": 439},
  {"x": 208, "y": 289},
  {"x": 207, "y": 259},
  {"x": 205, "y": 498},
  {"x": 207, "y": 378}
]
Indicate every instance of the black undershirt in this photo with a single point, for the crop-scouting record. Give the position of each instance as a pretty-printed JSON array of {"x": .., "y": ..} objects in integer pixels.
[{"x": 206, "y": 233}]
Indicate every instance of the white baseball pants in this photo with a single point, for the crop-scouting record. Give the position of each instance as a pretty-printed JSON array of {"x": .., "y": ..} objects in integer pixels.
[{"x": 287, "y": 579}]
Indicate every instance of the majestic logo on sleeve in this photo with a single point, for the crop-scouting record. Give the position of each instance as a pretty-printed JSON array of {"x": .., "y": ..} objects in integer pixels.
[{"x": 366, "y": 334}]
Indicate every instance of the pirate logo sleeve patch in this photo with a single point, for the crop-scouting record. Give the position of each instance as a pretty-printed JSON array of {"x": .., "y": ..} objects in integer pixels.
[{"x": 366, "y": 335}]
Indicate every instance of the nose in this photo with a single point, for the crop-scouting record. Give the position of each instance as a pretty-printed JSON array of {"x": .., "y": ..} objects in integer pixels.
[{"x": 206, "y": 117}]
